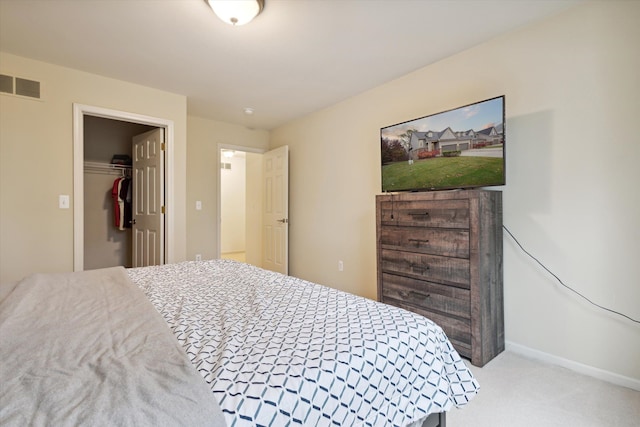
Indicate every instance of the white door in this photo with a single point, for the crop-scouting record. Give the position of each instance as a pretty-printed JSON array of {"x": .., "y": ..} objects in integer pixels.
[
  {"x": 275, "y": 236},
  {"x": 148, "y": 198}
]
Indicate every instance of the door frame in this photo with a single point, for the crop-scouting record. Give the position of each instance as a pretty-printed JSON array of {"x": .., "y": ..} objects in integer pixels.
[
  {"x": 79, "y": 112},
  {"x": 221, "y": 147}
]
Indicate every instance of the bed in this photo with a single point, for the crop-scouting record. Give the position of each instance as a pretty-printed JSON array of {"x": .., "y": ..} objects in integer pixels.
[{"x": 273, "y": 350}]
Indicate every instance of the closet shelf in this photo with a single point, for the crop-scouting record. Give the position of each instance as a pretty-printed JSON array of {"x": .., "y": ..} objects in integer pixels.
[{"x": 98, "y": 167}]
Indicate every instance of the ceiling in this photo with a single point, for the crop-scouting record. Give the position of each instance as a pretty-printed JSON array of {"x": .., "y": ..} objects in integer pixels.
[{"x": 297, "y": 57}]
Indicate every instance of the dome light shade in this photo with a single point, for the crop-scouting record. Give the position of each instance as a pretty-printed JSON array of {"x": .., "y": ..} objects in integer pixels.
[{"x": 236, "y": 12}]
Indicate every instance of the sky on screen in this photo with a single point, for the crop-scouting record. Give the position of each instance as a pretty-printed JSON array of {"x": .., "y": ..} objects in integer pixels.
[{"x": 475, "y": 116}]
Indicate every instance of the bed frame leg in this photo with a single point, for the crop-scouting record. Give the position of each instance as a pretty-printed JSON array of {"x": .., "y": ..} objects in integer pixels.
[
  {"x": 442, "y": 419},
  {"x": 436, "y": 420}
]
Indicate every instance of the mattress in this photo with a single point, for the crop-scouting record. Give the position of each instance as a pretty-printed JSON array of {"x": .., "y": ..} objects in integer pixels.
[{"x": 277, "y": 350}]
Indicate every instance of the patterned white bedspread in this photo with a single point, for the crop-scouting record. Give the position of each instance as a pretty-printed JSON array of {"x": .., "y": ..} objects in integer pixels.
[{"x": 281, "y": 351}]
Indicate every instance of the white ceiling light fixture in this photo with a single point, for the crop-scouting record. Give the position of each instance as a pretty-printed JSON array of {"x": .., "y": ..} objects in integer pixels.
[{"x": 236, "y": 12}]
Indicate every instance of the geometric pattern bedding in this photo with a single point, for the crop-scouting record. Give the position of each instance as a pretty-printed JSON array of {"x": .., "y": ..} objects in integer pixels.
[{"x": 281, "y": 351}]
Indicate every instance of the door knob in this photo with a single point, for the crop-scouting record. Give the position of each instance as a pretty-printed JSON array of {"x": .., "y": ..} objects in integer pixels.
[{"x": 283, "y": 220}]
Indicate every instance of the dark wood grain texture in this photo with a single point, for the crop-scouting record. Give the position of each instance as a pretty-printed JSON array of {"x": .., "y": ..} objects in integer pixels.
[{"x": 440, "y": 255}]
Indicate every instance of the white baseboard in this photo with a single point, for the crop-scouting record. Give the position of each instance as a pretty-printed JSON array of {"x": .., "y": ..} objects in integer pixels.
[{"x": 600, "y": 374}]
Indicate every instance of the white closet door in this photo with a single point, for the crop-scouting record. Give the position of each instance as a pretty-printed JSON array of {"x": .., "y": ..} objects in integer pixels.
[{"x": 148, "y": 198}]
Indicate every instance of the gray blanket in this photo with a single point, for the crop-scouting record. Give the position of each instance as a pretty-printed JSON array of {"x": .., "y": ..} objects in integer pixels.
[{"x": 89, "y": 349}]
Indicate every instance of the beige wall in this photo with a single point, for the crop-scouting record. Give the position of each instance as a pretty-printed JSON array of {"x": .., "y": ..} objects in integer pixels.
[
  {"x": 202, "y": 177},
  {"x": 36, "y": 161},
  {"x": 572, "y": 198},
  {"x": 233, "y": 201}
]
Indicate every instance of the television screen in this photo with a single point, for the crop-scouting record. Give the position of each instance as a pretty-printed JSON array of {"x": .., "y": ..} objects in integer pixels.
[{"x": 459, "y": 148}]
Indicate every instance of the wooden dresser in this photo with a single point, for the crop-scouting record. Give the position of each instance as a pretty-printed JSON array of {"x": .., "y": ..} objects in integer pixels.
[{"x": 440, "y": 255}]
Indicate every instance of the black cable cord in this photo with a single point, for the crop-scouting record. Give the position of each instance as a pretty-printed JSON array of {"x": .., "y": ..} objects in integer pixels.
[
  {"x": 392, "y": 210},
  {"x": 562, "y": 283}
]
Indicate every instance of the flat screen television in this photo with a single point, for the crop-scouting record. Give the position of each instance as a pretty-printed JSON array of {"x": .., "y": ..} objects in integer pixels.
[{"x": 454, "y": 149}]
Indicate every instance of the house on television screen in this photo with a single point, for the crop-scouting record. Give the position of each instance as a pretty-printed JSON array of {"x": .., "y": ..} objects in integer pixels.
[{"x": 427, "y": 144}]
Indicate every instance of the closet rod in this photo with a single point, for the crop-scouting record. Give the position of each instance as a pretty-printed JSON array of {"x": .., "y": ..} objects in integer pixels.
[{"x": 106, "y": 168}]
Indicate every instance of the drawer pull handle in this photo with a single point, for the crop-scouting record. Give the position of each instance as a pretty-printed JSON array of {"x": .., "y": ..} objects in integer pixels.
[
  {"x": 419, "y": 268},
  {"x": 420, "y": 214},
  {"x": 419, "y": 295},
  {"x": 419, "y": 241}
]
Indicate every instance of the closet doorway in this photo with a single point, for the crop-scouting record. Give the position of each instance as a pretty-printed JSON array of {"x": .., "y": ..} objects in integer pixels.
[
  {"x": 108, "y": 191},
  {"x": 100, "y": 136}
]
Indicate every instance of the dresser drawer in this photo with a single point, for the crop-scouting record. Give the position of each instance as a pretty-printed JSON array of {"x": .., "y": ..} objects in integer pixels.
[
  {"x": 458, "y": 330},
  {"x": 434, "y": 213},
  {"x": 449, "y": 300},
  {"x": 450, "y": 271},
  {"x": 434, "y": 241}
]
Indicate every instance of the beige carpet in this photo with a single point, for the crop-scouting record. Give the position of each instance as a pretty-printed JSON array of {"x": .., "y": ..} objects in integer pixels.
[{"x": 521, "y": 392}]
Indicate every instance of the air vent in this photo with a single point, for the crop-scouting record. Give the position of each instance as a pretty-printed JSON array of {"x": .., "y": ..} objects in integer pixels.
[
  {"x": 22, "y": 87},
  {"x": 6, "y": 83},
  {"x": 29, "y": 88}
]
